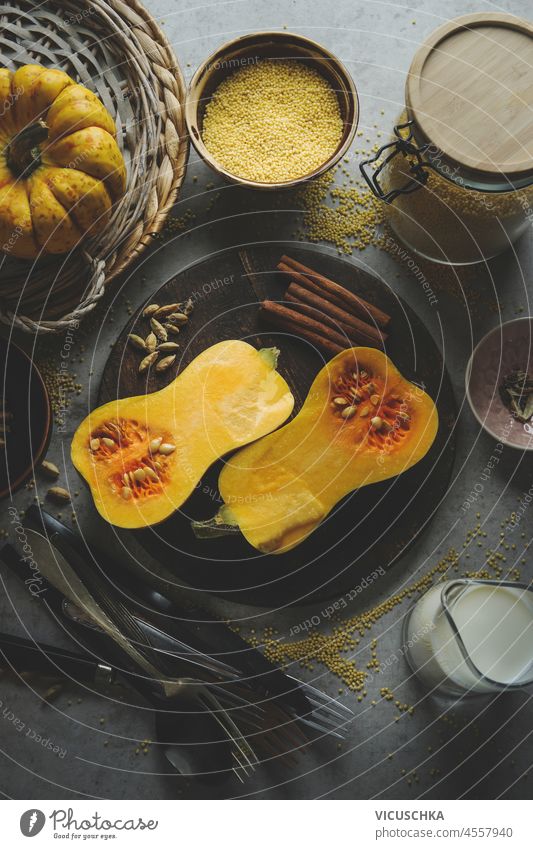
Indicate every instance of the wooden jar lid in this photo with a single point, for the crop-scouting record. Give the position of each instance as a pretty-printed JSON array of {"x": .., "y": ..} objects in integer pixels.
[{"x": 470, "y": 92}]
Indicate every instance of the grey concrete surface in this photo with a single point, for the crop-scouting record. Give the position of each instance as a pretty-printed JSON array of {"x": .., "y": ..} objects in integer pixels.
[{"x": 479, "y": 749}]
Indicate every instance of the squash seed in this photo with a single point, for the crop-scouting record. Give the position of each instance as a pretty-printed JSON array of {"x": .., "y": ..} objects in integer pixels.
[
  {"x": 49, "y": 469},
  {"x": 166, "y": 448},
  {"x": 348, "y": 412},
  {"x": 363, "y": 412},
  {"x": 126, "y": 493},
  {"x": 340, "y": 402},
  {"x": 139, "y": 475},
  {"x": 167, "y": 346},
  {"x": 165, "y": 363},
  {"x": 150, "y": 473},
  {"x": 374, "y": 399},
  {"x": 376, "y": 422},
  {"x": 150, "y": 343},
  {"x": 94, "y": 444},
  {"x": 150, "y": 310},
  {"x": 154, "y": 445},
  {"x": 137, "y": 342},
  {"x": 148, "y": 361},
  {"x": 109, "y": 443},
  {"x": 159, "y": 330},
  {"x": 57, "y": 493},
  {"x": 126, "y": 479}
]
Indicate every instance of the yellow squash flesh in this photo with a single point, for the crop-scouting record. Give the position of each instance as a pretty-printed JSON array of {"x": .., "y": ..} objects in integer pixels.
[
  {"x": 228, "y": 396},
  {"x": 61, "y": 169},
  {"x": 280, "y": 489}
]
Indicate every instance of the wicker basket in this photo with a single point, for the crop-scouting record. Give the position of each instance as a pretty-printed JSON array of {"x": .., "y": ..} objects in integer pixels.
[{"x": 116, "y": 49}]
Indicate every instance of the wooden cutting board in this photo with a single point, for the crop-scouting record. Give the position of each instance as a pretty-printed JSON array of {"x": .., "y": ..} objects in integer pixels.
[{"x": 374, "y": 526}]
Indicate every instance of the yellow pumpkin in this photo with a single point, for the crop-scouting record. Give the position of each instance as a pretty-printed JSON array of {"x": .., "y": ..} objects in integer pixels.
[
  {"x": 362, "y": 423},
  {"x": 142, "y": 457},
  {"x": 61, "y": 169}
]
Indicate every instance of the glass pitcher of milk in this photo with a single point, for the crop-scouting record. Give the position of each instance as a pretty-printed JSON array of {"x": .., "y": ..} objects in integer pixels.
[{"x": 472, "y": 636}]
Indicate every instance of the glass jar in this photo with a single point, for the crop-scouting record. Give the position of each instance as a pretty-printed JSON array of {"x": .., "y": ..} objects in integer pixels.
[
  {"x": 457, "y": 177},
  {"x": 445, "y": 214}
]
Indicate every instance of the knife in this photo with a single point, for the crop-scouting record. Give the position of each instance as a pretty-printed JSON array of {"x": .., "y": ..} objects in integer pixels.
[
  {"x": 190, "y": 756},
  {"x": 200, "y": 742},
  {"x": 216, "y": 641},
  {"x": 28, "y": 656}
]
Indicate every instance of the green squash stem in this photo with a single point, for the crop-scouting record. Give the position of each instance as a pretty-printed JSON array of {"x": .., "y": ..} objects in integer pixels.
[
  {"x": 270, "y": 356},
  {"x": 220, "y": 525},
  {"x": 24, "y": 151}
]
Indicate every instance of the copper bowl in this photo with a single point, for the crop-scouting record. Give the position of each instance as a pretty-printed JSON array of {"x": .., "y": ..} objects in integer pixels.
[{"x": 268, "y": 45}]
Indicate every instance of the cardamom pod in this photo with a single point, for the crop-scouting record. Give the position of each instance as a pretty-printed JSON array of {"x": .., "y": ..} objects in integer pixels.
[
  {"x": 50, "y": 469},
  {"x": 178, "y": 318},
  {"x": 148, "y": 361},
  {"x": 150, "y": 342},
  {"x": 57, "y": 493},
  {"x": 168, "y": 346},
  {"x": 165, "y": 363},
  {"x": 166, "y": 310},
  {"x": 158, "y": 329},
  {"x": 150, "y": 310},
  {"x": 171, "y": 328},
  {"x": 137, "y": 342}
]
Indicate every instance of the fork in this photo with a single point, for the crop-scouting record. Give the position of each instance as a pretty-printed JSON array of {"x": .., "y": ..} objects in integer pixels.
[
  {"x": 161, "y": 617},
  {"x": 234, "y": 704}
]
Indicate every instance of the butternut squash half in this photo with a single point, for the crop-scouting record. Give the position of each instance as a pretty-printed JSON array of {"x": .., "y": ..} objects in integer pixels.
[
  {"x": 143, "y": 456},
  {"x": 362, "y": 422}
]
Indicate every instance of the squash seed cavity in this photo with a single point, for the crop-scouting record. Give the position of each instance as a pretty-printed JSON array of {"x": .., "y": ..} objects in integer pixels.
[{"x": 357, "y": 395}]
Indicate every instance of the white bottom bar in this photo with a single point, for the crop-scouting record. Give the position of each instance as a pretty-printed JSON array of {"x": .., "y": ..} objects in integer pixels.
[{"x": 264, "y": 824}]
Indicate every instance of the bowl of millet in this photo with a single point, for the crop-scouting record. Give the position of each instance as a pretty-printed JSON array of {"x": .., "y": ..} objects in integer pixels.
[{"x": 271, "y": 110}]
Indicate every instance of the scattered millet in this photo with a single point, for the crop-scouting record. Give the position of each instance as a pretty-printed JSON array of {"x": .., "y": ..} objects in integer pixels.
[
  {"x": 349, "y": 221},
  {"x": 61, "y": 385},
  {"x": 330, "y": 649},
  {"x": 273, "y": 121},
  {"x": 174, "y": 224}
]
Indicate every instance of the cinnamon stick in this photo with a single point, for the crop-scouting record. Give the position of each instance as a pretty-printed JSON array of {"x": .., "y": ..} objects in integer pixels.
[
  {"x": 306, "y": 283},
  {"x": 302, "y": 326},
  {"x": 352, "y": 336},
  {"x": 361, "y": 307},
  {"x": 366, "y": 332}
]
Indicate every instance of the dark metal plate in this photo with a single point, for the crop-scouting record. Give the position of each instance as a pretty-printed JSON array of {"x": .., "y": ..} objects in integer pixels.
[{"x": 374, "y": 526}]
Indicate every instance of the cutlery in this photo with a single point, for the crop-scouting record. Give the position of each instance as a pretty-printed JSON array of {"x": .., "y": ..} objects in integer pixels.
[
  {"x": 87, "y": 605},
  {"x": 313, "y": 707}
]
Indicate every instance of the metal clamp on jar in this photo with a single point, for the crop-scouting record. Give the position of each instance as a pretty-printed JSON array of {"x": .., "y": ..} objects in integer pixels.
[{"x": 457, "y": 177}]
